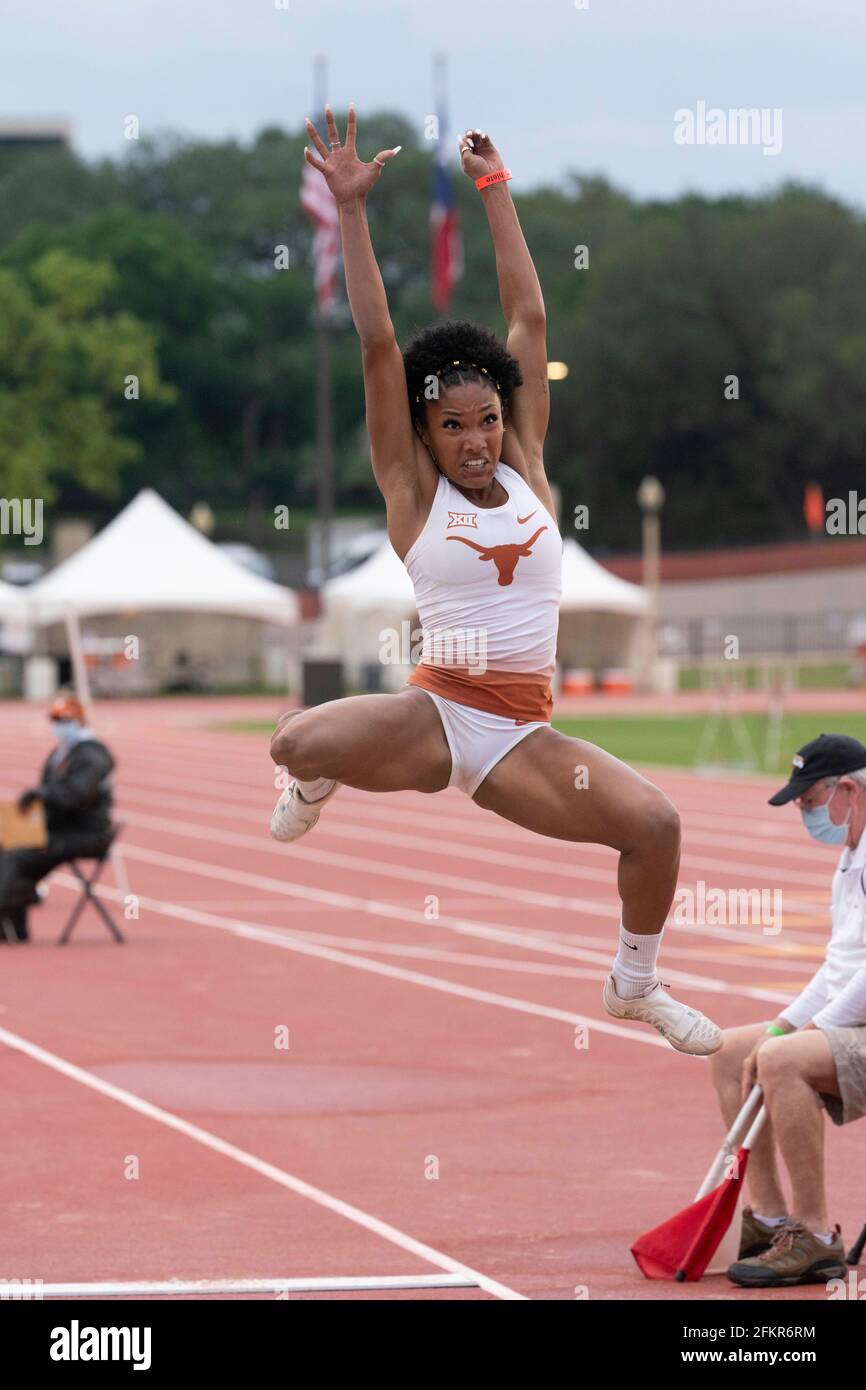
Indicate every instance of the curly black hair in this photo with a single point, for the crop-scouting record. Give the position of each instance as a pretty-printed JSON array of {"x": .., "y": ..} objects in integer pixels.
[{"x": 430, "y": 349}]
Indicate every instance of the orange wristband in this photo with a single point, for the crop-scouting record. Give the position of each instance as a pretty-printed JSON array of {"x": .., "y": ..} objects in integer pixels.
[{"x": 498, "y": 176}]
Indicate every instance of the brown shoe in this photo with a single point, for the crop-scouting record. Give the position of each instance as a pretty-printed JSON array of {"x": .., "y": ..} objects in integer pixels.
[
  {"x": 796, "y": 1256},
  {"x": 755, "y": 1237}
]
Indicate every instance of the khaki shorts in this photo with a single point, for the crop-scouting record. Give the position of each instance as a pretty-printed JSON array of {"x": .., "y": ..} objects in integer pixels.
[{"x": 848, "y": 1046}]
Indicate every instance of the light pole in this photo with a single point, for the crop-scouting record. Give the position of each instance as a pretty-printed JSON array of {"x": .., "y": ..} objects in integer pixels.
[{"x": 651, "y": 499}]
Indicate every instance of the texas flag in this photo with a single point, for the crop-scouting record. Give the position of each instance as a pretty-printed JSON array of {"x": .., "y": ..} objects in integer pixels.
[
  {"x": 318, "y": 201},
  {"x": 446, "y": 245}
]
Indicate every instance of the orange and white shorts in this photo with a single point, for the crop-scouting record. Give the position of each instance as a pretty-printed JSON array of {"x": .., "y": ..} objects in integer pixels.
[{"x": 478, "y": 740}]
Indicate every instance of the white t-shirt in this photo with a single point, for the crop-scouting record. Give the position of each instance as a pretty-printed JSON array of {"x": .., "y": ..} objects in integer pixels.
[{"x": 836, "y": 996}]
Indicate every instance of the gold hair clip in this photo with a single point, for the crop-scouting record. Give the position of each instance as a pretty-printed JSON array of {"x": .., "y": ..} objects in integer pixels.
[{"x": 458, "y": 362}]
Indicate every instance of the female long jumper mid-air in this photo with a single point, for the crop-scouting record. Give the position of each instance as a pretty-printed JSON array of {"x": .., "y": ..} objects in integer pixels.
[{"x": 470, "y": 514}]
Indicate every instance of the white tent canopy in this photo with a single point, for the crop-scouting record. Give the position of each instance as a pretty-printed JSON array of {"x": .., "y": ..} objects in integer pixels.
[
  {"x": 149, "y": 559},
  {"x": 588, "y": 587},
  {"x": 381, "y": 582},
  {"x": 11, "y": 601},
  {"x": 368, "y": 617}
]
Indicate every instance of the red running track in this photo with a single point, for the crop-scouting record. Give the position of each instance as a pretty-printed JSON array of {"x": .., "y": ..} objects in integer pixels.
[{"x": 450, "y": 1072}]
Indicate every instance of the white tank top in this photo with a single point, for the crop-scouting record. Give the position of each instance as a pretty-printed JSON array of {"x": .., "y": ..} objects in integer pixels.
[{"x": 488, "y": 576}]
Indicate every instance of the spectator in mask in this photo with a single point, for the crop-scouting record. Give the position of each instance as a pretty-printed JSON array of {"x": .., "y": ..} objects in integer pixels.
[
  {"x": 75, "y": 792},
  {"x": 812, "y": 1057}
]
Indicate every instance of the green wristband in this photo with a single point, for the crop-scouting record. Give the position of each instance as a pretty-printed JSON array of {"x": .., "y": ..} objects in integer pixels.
[{"x": 775, "y": 1030}]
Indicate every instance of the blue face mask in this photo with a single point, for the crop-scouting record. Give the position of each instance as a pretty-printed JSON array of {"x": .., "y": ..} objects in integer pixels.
[
  {"x": 820, "y": 827},
  {"x": 65, "y": 729}
]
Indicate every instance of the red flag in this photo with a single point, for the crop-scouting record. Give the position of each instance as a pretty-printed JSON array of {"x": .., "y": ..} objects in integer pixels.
[
  {"x": 318, "y": 201},
  {"x": 813, "y": 507},
  {"x": 682, "y": 1247}
]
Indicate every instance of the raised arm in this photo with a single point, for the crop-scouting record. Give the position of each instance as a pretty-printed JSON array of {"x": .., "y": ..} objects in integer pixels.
[
  {"x": 522, "y": 304},
  {"x": 393, "y": 441}
]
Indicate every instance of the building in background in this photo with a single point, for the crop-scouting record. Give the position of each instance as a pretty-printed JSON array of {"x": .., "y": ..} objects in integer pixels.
[
  {"x": 34, "y": 133},
  {"x": 801, "y": 603}
]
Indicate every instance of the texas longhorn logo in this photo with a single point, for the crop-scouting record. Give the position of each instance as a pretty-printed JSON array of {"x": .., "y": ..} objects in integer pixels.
[
  {"x": 504, "y": 557},
  {"x": 462, "y": 519}
]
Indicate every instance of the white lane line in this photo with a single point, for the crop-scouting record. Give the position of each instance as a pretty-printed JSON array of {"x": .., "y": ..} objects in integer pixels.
[
  {"x": 433, "y": 953},
  {"x": 486, "y": 823},
  {"x": 406, "y": 873},
  {"x": 288, "y": 941},
  {"x": 383, "y": 1229},
  {"x": 483, "y": 888},
  {"x": 335, "y": 826},
  {"x": 314, "y": 1284},
  {"x": 462, "y": 926},
  {"x": 788, "y": 958},
  {"x": 387, "y": 807},
  {"x": 390, "y": 808}
]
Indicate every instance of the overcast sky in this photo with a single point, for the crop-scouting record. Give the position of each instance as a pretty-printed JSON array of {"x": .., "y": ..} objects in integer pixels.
[{"x": 558, "y": 87}]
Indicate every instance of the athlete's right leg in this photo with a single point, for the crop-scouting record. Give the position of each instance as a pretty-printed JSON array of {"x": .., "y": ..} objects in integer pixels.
[{"x": 377, "y": 743}]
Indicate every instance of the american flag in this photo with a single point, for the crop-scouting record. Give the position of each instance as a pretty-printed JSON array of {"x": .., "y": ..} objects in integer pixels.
[
  {"x": 316, "y": 199},
  {"x": 446, "y": 245}
]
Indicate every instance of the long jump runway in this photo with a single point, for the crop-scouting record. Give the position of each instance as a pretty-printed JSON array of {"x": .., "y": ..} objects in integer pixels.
[{"x": 376, "y": 1063}]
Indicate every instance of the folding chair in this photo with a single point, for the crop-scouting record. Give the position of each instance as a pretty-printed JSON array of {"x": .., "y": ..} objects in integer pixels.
[
  {"x": 857, "y": 1248},
  {"x": 7, "y": 930},
  {"x": 87, "y": 893}
]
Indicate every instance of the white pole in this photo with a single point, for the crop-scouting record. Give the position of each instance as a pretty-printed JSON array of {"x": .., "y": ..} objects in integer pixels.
[
  {"x": 717, "y": 1167},
  {"x": 79, "y": 666}
]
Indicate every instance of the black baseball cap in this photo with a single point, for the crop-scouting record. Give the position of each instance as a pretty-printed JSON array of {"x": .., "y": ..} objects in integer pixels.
[{"x": 828, "y": 755}]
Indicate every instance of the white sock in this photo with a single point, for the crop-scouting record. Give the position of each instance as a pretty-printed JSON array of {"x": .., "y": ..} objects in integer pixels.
[
  {"x": 827, "y": 1239},
  {"x": 634, "y": 969},
  {"x": 769, "y": 1220},
  {"x": 315, "y": 789}
]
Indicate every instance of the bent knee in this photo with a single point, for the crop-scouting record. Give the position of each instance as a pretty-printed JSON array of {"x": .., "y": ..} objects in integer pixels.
[
  {"x": 660, "y": 824},
  {"x": 290, "y": 741},
  {"x": 775, "y": 1060}
]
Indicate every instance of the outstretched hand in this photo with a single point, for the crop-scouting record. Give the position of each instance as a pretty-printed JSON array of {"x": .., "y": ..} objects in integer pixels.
[
  {"x": 478, "y": 154},
  {"x": 347, "y": 176}
]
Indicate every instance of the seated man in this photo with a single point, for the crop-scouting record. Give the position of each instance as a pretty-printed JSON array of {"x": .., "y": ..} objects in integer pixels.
[
  {"x": 75, "y": 790},
  {"x": 814, "y": 1053}
]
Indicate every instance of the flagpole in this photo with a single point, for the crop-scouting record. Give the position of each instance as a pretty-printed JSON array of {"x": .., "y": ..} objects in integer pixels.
[
  {"x": 324, "y": 379},
  {"x": 440, "y": 65},
  {"x": 440, "y": 80},
  {"x": 446, "y": 248}
]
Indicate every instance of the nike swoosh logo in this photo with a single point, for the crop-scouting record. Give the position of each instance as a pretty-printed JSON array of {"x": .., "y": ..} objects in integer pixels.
[
  {"x": 522, "y": 520},
  {"x": 625, "y": 943}
]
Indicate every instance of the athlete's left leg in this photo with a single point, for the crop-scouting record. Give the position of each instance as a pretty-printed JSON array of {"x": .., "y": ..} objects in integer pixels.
[{"x": 572, "y": 790}]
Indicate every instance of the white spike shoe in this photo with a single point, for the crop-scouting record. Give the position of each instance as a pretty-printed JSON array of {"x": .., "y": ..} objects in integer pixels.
[
  {"x": 293, "y": 816},
  {"x": 685, "y": 1029}
]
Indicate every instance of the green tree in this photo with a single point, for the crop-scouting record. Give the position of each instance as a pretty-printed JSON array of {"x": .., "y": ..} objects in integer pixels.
[{"x": 63, "y": 363}]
